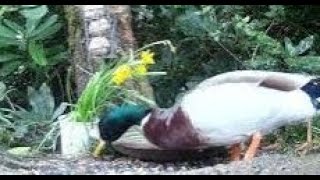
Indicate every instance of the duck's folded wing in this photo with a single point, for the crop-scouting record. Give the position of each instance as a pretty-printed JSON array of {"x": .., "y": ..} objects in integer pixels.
[{"x": 270, "y": 79}]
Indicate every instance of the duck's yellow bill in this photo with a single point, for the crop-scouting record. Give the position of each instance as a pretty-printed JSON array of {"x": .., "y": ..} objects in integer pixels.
[{"x": 99, "y": 148}]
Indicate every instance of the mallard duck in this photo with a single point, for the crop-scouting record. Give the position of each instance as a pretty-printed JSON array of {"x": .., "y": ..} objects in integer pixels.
[{"x": 225, "y": 110}]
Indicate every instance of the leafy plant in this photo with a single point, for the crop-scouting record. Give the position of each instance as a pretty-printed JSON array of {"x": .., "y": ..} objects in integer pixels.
[
  {"x": 23, "y": 43},
  {"x": 4, "y": 117},
  {"x": 293, "y": 58},
  {"x": 212, "y": 39},
  {"x": 29, "y": 127},
  {"x": 42, "y": 106}
]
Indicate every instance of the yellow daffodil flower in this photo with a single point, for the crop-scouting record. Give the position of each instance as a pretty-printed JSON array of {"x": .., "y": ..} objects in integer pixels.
[
  {"x": 121, "y": 74},
  {"x": 140, "y": 70},
  {"x": 147, "y": 57}
]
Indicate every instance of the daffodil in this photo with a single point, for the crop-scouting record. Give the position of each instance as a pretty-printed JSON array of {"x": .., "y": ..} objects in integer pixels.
[
  {"x": 147, "y": 57},
  {"x": 121, "y": 74},
  {"x": 140, "y": 70}
]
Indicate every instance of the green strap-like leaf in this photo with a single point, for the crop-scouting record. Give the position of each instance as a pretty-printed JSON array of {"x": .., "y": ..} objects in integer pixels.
[
  {"x": 7, "y": 42},
  {"x": 7, "y": 32},
  {"x": 58, "y": 58},
  {"x": 48, "y": 33},
  {"x": 9, "y": 57},
  {"x": 14, "y": 26},
  {"x": 37, "y": 53},
  {"x": 44, "y": 27},
  {"x": 31, "y": 25},
  {"x": 59, "y": 111},
  {"x": 35, "y": 12}
]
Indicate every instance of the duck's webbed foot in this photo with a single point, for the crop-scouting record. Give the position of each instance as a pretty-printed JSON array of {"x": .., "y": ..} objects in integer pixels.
[
  {"x": 253, "y": 147},
  {"x": 307, "y": 146},
  {"x": 235, "y": 152}
]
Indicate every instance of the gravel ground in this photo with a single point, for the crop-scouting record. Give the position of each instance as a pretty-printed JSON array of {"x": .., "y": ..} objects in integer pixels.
[{"x": 264, "y": 164}]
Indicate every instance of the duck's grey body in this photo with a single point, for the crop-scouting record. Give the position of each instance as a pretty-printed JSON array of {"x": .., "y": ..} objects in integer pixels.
[{"x": 229, "y": 108}]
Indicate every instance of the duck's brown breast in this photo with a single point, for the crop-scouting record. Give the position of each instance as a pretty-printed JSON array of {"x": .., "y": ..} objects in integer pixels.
[{"x": 172, "y": 129}]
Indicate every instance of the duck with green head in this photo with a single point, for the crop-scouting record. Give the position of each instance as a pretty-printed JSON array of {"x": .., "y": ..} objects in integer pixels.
[{"x": 225, "y": 110}]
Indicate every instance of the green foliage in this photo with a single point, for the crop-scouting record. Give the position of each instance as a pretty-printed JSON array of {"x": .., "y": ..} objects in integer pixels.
[
  {"x": 28, "y": 127},
  {"x": 4, "y": 117},
  {"x": 41, "y": 117},
  {"x": 31, "y": 52},
  {"x": 211, "y": 39},
  {"x": 43, "y": 106},
  {"x": 3, "y": 91},
  {"x": 22, "y": 44}
]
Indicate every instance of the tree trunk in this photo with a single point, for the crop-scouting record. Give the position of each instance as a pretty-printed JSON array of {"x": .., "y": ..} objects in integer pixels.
[
  {"x": 97, "y": 32},
  {"x": 124, "y": 19},
  {"x": 92, "y": 39}
]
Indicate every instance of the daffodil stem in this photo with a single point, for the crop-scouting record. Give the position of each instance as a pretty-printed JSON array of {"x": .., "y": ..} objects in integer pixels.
[
  {"x": 156, "y": 73},
  {"x": 164, "y": 42}
]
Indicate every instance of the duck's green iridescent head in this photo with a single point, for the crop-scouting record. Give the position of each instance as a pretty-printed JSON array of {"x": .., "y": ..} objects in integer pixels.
[{"x": 118, "y": 120}]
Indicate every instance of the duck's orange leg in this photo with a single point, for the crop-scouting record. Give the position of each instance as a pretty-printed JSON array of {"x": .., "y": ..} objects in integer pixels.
[
  {"x": 307, "y": 146},
  {"x": 235, "y": 152},
  {"x": 252, "y": 150}
]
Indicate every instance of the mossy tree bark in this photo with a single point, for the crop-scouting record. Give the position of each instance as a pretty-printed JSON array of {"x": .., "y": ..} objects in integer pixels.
[{"x": 97, "y": 32}]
